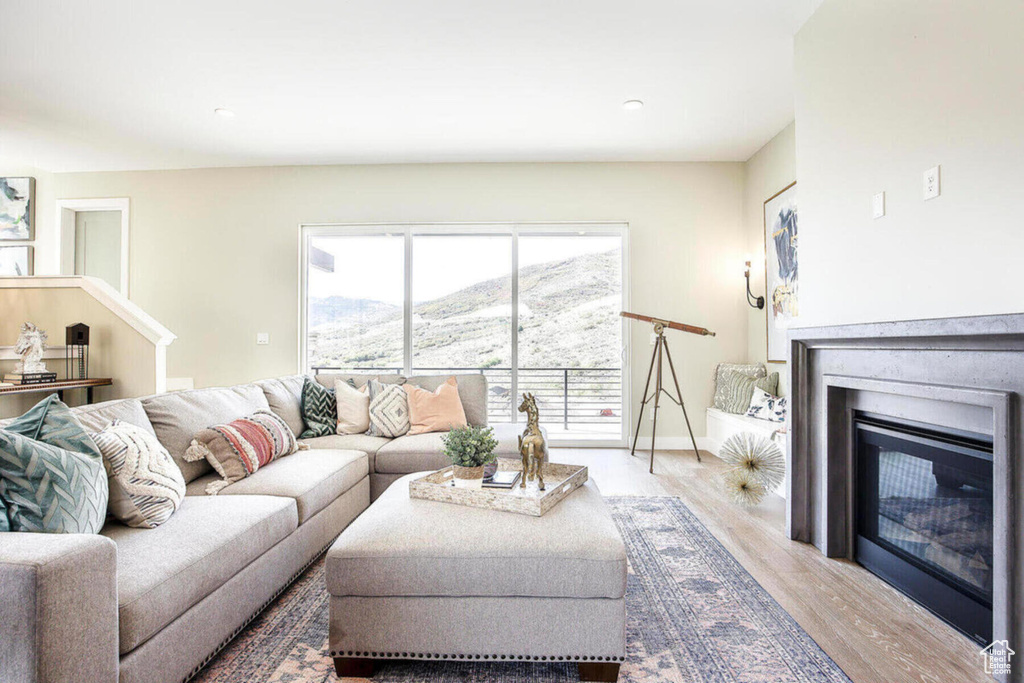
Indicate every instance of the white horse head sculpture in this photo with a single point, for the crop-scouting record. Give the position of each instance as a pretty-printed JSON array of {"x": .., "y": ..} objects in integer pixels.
[{"x": 30, "y": 346}]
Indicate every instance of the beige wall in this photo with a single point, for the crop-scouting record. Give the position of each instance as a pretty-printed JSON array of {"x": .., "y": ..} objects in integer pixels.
[
  {"x": 115, "y": 348},
  {"x": 772, "y": 168},
  {"x": 885, "y": 90},
  {"x": 214, "y": 252}
]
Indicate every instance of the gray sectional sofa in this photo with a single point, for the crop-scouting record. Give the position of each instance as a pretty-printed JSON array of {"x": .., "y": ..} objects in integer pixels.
[{"x": 154, "y": 605}]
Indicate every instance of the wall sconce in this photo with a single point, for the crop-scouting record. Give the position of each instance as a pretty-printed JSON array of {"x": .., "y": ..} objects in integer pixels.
[{"x": 753, "y": 301}]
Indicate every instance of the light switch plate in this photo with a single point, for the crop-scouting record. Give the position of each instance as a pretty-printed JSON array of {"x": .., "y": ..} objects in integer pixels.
[
  {"x": 878, "y": 205},
  {"x": 262, "y": 338},
  {"x": 931, "y": 183}
]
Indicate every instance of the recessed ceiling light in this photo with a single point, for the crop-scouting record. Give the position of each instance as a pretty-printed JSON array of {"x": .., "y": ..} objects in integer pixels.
[
  {"x": 633, "y": 105},
  {"x": 226, "y": 113}
]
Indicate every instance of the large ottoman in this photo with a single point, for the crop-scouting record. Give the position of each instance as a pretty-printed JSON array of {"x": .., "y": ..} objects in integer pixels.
[{"x": 418, "y": 579}]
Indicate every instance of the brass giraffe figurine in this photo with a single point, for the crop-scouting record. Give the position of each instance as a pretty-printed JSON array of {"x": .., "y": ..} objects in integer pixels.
[{"x": 531, "y": 444}]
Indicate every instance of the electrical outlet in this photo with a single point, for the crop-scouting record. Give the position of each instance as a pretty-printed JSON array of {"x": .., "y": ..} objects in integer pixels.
[
  {"x": 931, "y": 183},
  {"x": 878, "y": 205},
  {"x": 262, "y": 338}
]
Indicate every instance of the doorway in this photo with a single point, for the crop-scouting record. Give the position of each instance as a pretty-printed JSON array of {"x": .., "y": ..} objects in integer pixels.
[{"x": 94, "y": 239}]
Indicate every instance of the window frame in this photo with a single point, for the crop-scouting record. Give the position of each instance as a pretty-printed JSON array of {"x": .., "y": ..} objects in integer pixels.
[{"x": 408, "y": 230}]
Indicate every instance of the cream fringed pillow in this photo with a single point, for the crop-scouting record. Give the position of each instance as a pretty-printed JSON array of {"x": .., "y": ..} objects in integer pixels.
[
  {"x": 353, "y": 407},
  {"x": 240, "y": 447},
  {"x": 436, "y": 411},
  {"x": 146, "y": 486}
]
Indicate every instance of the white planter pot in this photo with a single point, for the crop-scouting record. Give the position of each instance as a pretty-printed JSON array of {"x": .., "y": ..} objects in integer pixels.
[{"x": 468, "y": 477}]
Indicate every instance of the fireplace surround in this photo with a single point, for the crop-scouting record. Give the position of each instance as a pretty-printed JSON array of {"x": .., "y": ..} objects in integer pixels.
[{"x": 963, "y": 374}]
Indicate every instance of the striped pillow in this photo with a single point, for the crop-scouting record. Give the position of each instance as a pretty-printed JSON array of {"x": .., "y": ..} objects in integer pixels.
[
  {"x": 239, "y": 448},
  {"x": 146, "y": 486}
]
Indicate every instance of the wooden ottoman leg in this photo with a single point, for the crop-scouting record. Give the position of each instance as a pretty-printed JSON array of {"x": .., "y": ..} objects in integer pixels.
[
  {"x": 353, "y": 667},
  {"x": 605, "y": 672}
]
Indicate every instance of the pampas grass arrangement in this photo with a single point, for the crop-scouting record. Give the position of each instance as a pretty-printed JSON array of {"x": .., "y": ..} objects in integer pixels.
[{"x": 756, "y": 465}]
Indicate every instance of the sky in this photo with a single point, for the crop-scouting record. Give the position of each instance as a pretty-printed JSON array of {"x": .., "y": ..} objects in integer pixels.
[{"x": 371, "y": 267}]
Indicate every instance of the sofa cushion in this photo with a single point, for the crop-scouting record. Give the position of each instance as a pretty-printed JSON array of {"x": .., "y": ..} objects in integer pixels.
[
  {"x": 284, "y": 394},
  {"x": 472, "y": 393},
  {"x": 389, "y": 410},
  {"x": 98, "y": 415},
  {"x": 319, "y": 407},
  {"x": 313, "y": 478},
  {"x": 350, "y": 442},
  {"x": 178, "y": 416},
  {"x": 411, "y": 547},
  {"x": 418, "y": 452},
  {"x": 163, "y": 572},
  {"x": 435, "y": 411}
]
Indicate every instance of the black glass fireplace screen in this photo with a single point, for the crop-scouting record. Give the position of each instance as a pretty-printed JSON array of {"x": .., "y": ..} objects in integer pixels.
[{"x": 924, "y": 517}]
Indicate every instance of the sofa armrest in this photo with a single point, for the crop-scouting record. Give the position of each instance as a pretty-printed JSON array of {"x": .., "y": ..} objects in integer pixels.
[{"x": 58, "y": 608}]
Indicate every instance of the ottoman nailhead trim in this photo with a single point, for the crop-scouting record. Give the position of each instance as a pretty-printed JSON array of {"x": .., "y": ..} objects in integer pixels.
[{"x": 463, "y": 656}]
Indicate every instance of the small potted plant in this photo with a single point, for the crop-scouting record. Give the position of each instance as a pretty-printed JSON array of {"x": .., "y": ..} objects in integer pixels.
[{"x": 469, "y": 449}]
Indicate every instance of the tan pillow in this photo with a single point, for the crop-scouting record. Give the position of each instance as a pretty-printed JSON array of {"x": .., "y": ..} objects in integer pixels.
[
  {"x": 436, "y": 411},
  {"x": 353, "y": 408}
]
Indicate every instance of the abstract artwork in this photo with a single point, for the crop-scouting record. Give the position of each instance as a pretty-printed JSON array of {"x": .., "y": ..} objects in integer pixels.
[
  {"x": 15, "y": 261},
  {"x": 16, "y": 199},
  {"x": 782, "y": 279}
]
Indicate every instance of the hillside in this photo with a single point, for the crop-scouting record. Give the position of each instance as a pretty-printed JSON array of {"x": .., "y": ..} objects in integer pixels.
[{"x": 568, "y": 318}]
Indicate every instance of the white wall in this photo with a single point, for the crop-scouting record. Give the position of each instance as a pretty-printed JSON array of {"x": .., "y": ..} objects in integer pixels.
[
  {"x": 885, "y": 90},
  {"x": 772, "y": 168},
  {"x": 214, "y": 252}
]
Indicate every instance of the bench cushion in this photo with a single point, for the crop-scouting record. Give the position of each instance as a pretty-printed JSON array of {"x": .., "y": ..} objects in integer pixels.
[
  {"x": 413, "y": 547},
  {"x": 314, "y": 479},
  {"x": 163, "y": 572}
]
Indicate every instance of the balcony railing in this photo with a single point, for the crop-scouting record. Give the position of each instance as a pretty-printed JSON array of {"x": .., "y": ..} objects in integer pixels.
[{"x": 580, "y": 399}]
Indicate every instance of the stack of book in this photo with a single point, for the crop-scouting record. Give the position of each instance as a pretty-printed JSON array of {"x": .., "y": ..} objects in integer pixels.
[
  {"x": 503, "y": 479},
  {"x": 23, "y": 378}
]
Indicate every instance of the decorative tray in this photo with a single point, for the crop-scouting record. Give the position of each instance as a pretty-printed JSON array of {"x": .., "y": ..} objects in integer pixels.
[{"x": 559, "y": 482}]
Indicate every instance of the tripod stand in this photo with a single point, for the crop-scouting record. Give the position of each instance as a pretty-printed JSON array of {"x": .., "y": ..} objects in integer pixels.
[{"x": 661, "y": 349}]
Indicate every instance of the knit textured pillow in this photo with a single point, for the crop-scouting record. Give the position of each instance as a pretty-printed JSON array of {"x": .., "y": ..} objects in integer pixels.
[
  {"x": 241, "y": 447},
  {"x": 146, "y": 486},
  {"x": 319, "y": 410},
  {"x": 51, "y": 473},
  {"x": 389, "y": 410},
  {"x": 725, "y": 389},
  {"x": 741, "y": 390}
]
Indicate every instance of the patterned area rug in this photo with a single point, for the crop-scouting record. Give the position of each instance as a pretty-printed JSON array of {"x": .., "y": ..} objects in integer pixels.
[{"x": 694, "y": 616}]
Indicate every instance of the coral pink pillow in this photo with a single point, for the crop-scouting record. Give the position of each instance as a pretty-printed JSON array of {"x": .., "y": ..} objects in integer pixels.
[{"x": 436, "y": 411}]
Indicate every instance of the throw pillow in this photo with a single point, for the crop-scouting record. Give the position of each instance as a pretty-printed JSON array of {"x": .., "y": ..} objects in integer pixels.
[
  {"x": 319, "y": 409},
  {"x": 389, "y": 410},
  {"x": 240, "y": 447},
  {"x": 764, "y": 406},
  {"x": 51, "y": 473},
  {"x": 436, "y": 411},
  {"x": 741, "y": 389},
  {"x": 353, "y": 407},
  {"x": 146, "y": 486},
  {"x": 723, "y": 389}
]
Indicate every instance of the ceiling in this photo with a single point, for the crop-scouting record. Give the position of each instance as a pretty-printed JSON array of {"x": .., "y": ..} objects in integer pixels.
[{"x": 128, "y": 85}]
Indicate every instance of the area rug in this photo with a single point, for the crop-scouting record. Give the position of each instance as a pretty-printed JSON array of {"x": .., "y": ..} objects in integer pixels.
[{"x": 694, "y": 615}]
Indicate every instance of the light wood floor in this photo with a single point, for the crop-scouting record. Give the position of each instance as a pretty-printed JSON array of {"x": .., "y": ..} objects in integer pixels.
[{"x": 872, "y": 631}]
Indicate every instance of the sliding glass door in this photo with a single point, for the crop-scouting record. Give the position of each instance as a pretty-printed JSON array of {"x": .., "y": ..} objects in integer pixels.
[{"x": 535, "y": 308}]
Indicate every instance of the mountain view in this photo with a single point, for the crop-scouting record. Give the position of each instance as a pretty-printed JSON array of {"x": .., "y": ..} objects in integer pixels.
[{"x": 568, "y": 317}]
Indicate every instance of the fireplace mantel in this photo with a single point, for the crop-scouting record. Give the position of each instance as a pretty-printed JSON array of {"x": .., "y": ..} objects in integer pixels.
[{"x": 966, "y": 370}]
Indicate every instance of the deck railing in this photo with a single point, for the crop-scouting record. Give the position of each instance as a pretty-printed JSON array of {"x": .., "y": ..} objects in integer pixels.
[{"x": 578, "y": 398}]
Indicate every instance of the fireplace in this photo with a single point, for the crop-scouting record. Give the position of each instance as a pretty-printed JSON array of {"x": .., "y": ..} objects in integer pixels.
[{"x": 924, "y": 516}]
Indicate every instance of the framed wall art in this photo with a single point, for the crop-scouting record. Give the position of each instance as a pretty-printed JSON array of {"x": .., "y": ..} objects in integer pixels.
[
  {"x": 15, "y": 260},
  {"x": 17, "y": 202},
  {"x": 781, "y": 275}
]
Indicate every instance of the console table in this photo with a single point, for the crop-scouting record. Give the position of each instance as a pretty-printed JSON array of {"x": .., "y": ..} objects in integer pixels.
[{"x": 59, "y": 386}]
